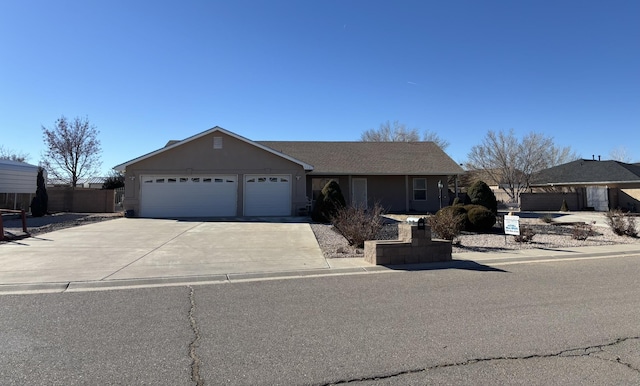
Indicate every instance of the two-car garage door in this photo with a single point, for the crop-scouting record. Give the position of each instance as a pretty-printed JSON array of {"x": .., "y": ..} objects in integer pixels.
[
  {"x": 214, "y": 196},
  {"x": 188, "y": 196}
]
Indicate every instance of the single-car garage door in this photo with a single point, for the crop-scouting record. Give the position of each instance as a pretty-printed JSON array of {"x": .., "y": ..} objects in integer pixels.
[
  {"x": 267, "y": 195},
  {"x": 188, "y": 196}
]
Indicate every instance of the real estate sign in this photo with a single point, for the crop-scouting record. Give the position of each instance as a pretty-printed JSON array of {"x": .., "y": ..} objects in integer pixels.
[{"x": 512, "y": 225}]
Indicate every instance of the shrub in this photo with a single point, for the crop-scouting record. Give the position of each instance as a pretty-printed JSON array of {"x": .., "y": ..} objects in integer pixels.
[
  {"x": 525, "y": 236},
  {"x": 621, "y": 223},
  {"x": 114, "y": 181},
  {"x": 479, "y": 218},
  {"x": 448, "y": 222},
  {"x": 547, "y": 219},
  {"x": 631, "y": 231},
  {"x": 582, "y": 231},
  {"x": 328, "y": 202},
  {"x": 481, "y": 194},
  {"x": 564, "y": 207},
  {"x": 358, "y": 224}
]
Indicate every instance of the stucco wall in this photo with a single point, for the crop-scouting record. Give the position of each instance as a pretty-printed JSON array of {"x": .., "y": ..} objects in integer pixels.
[
  {"x": 549, "y": 201},
  {"x": 394, "y": 193},
  {"x": 65, "y": 199}
]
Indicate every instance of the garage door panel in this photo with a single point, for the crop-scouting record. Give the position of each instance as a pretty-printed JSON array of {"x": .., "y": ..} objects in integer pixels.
[
  {"x": 193, "y": 196},
  {"x": 267, "y": 195}
]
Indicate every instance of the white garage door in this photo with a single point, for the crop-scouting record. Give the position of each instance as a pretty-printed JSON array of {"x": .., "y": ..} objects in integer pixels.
[
  {"x": 188, "y": 196},
  {"x": 267, "y": 195}
]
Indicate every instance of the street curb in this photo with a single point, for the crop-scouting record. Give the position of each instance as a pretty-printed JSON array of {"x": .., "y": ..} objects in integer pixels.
[
  {"x": 456, "y": 263},
  {"x": 8, "y": 289}
]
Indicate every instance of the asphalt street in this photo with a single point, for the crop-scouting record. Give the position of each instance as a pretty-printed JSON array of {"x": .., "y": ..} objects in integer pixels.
[{"x": 561, "y": 322}]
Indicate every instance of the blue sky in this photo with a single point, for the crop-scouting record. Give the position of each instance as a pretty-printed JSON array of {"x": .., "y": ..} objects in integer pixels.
[{"x": 146, "y": 72}]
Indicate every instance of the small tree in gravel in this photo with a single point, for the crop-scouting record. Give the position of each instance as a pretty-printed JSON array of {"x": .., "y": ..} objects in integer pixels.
[
  {"x": 328, "y": 203},
  {"x": 357, "y": 224}
]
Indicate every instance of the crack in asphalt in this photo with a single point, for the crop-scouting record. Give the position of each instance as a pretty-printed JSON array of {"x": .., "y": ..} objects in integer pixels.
[
  {"x": 195, "y": 360},
  {"x": 577, "y": 352}
]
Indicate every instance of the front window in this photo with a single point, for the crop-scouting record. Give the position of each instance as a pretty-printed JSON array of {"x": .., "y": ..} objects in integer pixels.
[{"x": 419, "y": 189}]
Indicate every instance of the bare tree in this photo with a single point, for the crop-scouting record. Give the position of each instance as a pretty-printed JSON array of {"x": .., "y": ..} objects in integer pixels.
[
  {"x": 621, "y": 154},
  {"x": 391, "y": 132},
  {"x": 511, "y": 163},
  {"x": 12, "y": 155},
  {"x": 73, "y": 149},
  {"x": 434, "y": 137},
  {"x": 398, "y": 132}
]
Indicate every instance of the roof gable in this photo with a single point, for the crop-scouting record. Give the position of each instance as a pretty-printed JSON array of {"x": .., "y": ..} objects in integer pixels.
[
  {"x": 173, "y": 144},
  {"x": 373, "y": 158},
  {"x": 585, "y": 171}
]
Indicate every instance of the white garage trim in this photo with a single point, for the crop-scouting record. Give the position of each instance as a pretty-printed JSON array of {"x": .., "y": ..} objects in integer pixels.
[
  {"x": 267, "y": 195},
  {"x": 188, "y": 195}
]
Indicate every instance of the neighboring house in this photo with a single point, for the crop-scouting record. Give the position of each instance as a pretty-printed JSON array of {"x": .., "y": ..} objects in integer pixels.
[
  {"x": 18, "y": 182},
  {"x": 220, "y": 173},
  {"x": 586, "y": 184},
  {"x": 88, "y": 183}
]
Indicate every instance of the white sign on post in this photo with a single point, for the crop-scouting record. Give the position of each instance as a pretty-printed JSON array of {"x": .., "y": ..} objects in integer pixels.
[{"x": 512, "y": 225}]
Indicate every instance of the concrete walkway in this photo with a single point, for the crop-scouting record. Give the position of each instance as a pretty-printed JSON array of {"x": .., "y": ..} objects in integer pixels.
[{"x": 125, "y": 253}]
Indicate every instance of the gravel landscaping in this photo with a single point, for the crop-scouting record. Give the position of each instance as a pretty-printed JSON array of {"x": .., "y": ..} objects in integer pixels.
[
  {"x": 549, "y": 236},
  {"x": 49, "y": 223}
]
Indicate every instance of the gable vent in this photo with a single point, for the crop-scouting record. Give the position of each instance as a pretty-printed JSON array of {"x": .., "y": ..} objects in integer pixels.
[{"x": 217, "y": 142}]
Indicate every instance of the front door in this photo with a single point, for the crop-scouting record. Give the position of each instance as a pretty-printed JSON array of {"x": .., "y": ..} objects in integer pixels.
[{"x": 359, "y": 192}]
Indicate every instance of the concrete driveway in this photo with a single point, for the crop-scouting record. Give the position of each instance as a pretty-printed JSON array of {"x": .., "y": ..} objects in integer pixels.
[{"x": 131, "y": 248}]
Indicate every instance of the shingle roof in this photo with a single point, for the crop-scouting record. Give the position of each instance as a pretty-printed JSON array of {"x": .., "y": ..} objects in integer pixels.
[
  {"x": 381, "y": 158},
  {"x": 589, "y": 171}
]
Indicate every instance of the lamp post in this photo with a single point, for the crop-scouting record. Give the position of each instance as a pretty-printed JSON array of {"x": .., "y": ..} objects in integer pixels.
[{"x": 440, "y": 192}]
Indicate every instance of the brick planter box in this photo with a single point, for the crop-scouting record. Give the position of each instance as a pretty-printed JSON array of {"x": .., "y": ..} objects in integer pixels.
[{"x": 413, "y": 246}]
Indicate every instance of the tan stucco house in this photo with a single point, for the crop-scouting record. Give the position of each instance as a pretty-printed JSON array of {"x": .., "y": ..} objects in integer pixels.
[{"x": 218, "y": 173}]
